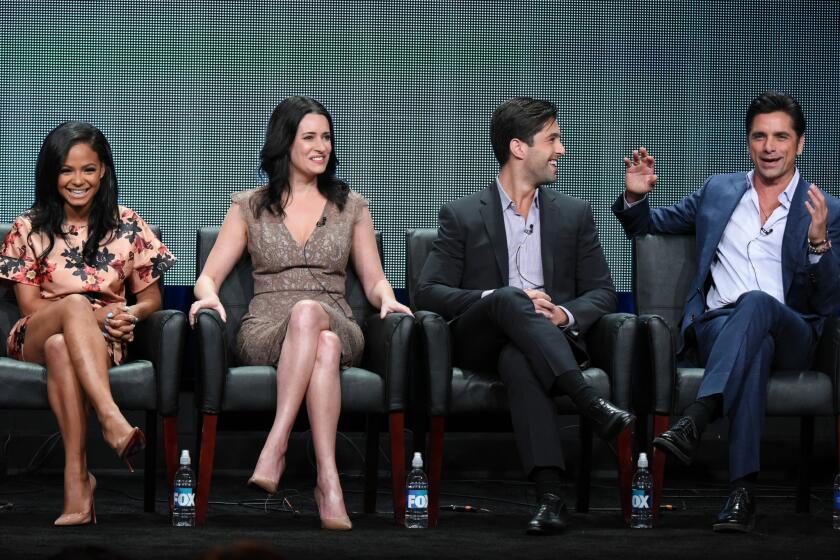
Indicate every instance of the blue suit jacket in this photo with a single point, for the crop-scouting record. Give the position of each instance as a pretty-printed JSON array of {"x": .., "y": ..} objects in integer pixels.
[{"x": 813, "y": 290}]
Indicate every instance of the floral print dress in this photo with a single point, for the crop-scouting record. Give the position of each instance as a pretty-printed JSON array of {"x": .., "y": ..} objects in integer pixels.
[{"x": 133, "y": 257}]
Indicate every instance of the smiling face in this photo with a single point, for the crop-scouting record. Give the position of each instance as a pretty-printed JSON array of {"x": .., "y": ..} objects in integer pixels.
[
  {"x": 311, "y": 149},
  {"x": 774, "y": 145},
  {"x": 541, "y": 156},
  {"x": 79, "y": 178}
]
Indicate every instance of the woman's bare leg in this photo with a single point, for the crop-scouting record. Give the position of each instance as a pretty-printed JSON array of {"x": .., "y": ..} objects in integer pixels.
[
  {"x": 68, "y": 403},
  {"x": 294, "y": 369},
  {"x": 323, "y": 404},
  {"x": 73, "y": 317}
]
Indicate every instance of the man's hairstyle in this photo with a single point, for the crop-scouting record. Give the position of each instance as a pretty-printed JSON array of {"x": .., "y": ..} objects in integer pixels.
[
  {"x": 773, "y": 101},
  {"x": 522, "y": 118}
]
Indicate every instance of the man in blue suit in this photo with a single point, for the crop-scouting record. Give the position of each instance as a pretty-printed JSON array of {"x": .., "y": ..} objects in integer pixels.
[{"x": 767, "y": 277}]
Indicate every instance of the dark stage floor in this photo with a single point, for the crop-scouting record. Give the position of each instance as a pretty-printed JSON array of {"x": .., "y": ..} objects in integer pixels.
[{"x": 237, "y": 513}]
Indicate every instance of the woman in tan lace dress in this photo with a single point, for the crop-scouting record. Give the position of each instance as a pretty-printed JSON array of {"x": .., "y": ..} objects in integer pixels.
[{"x": 300, "y": 229}]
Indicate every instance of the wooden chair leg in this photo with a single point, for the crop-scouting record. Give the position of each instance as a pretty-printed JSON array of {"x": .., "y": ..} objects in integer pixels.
[
  {"x": 585, "y": 470},
  {"x": 170, "y": 451},
  {"x": 625, "y": 471},
  {"x": 434, "y": 460},
  {"x": 150, "y": 462},
  {"x": 396, "y": 428},
  {"x": 371, "y": 462},
  {"x": 660, "y": 424},
  {"x": 205, "y": 466},
  {"x": 806, "y": 450}
]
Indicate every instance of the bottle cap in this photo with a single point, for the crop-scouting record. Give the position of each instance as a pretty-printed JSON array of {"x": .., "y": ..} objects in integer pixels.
[
  {"x": 417, "y": 461},
  {"x": 643, "y": 461},
  {"x": 185, "y": 457}
]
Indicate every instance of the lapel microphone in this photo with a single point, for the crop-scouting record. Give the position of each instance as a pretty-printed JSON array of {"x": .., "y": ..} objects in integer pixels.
[
  {"x": 765, "y": 231},
  {"x": 322, "y": 222},
  {"x": 529, "y": 230}
]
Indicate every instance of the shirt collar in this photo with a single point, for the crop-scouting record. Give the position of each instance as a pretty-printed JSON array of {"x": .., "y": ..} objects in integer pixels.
[
  {"x": 787, "y": 195},
  {"x": 507, "y": 202}
]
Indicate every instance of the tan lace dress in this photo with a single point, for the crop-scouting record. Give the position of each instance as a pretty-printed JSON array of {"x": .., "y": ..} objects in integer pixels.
[{"x": 283, "y": 276}]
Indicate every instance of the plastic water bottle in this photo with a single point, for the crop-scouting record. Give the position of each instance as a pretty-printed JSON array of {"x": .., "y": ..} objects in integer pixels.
[
  {"x": 836, "y": 522},
  {"x": 417, "y": 495},
  {"x": 183, "y": 502},
  {"x": 642, "y": 514}
]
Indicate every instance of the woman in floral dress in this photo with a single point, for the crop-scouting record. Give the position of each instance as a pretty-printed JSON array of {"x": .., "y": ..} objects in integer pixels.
[{"x": 71, "y": 256}]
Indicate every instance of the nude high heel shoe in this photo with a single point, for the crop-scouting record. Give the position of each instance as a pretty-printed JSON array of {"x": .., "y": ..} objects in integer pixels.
[
  {"x": 266, "y": 484},
  {"x": 82, "y": 517},
  {"x": 332, "y": 523}
]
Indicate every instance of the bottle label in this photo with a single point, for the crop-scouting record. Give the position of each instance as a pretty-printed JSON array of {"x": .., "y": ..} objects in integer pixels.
[
  {"x": 418, "y": 499},
  {"x": 837, "y": 500},
  {"x": 641, "y": 499},
  {"x": 184, "y": 497}
]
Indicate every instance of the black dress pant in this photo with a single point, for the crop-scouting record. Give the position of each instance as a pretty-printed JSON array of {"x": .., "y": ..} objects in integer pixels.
[{"x": 503, "y": 332}]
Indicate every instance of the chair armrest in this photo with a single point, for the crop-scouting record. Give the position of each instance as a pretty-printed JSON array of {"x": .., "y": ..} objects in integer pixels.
[
  {"x": 436, "y": 356},
  {"x": 661, "y": 351},
  {"x": 160, "y": 338},
  {"x": 827, "y": 357},
  {"x": 212, "y": 360},
  {"x": 388, "y": 351},
  {"x": 612, "y": 344}
]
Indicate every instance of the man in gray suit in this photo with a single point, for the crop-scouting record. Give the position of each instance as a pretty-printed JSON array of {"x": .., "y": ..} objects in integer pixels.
[{"x": 519, "y": 273}]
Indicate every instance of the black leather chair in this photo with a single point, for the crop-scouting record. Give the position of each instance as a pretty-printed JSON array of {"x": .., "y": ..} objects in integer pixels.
[
  {"x": 376, "y": 388},
  {"x": 664, "y": 266},
  {"x": 148, "y": 381},
  {"x": 456, "y": 391}
]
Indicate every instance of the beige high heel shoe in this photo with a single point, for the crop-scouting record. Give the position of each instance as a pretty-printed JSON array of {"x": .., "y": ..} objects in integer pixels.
[
  {"x": 332, "y": 523},
  {"x": 266, "y": 484},
  {"x": 82, "y": 517},
  {"x": 133, "y": 442}
]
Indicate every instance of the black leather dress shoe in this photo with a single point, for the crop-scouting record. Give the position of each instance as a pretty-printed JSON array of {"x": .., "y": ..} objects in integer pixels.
[
  {"x": 550, "y": 517},
  {"x": 738, "y": 515},
  {"x": 680, "y": 440},
  {"x": 609, "y": 420}
]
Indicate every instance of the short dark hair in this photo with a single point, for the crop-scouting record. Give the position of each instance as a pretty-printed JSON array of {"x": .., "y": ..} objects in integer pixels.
[
  {"x": 522, "y": 118},
  {"x": 773, "y": 101}
]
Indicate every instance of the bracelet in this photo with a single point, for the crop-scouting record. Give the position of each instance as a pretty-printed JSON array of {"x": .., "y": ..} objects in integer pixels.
[{"x": 819, "y": 248}]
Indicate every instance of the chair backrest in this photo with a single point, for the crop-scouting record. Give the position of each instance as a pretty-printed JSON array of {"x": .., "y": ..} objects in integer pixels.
[
  {"x": 9, "y": 311},
  {"x": 663, "y": 269},
  {"x": 238, "y": 288},
  {"x": 418, "y": 245}
]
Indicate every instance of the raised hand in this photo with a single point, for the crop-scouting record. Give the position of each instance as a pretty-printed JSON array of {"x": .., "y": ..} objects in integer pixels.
[
  {"x": 639, "y": 176},
  {"x": 818, "y": 209}
]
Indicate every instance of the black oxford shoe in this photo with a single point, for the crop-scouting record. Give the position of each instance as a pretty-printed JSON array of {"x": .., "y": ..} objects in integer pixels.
[
  {"x": 550, "y": 517},
  {"x": 738, "y": 515},
  {"x": 609, "y": 420},
  {"x": 680, "y": 440}
]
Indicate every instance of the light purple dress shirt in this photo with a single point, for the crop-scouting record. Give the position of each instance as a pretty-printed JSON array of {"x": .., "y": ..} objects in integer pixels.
[{"x": 525, "y": 270}]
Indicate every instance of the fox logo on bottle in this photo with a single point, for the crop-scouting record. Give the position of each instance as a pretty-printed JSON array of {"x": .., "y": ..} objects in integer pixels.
[
  {"x": 641, "y": 499},
  {"x": 184, "y": 497},
  {"x": 418, "y": 499}
]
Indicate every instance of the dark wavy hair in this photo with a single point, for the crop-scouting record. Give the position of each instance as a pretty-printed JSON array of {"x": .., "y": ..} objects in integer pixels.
[
  {"x": 275, "y": 158},
  {"x": 47, "y": 212}
]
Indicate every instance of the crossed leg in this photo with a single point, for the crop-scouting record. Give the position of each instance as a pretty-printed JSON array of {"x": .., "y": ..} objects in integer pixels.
[
  {"x": 308, "y": 368},
  {"x": 65, "y": 337}
]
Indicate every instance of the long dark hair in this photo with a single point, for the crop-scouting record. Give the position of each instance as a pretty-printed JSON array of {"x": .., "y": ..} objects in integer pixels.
[
  {"x": 275, "y": 158},
  {"x": 47, "y": 212}
]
